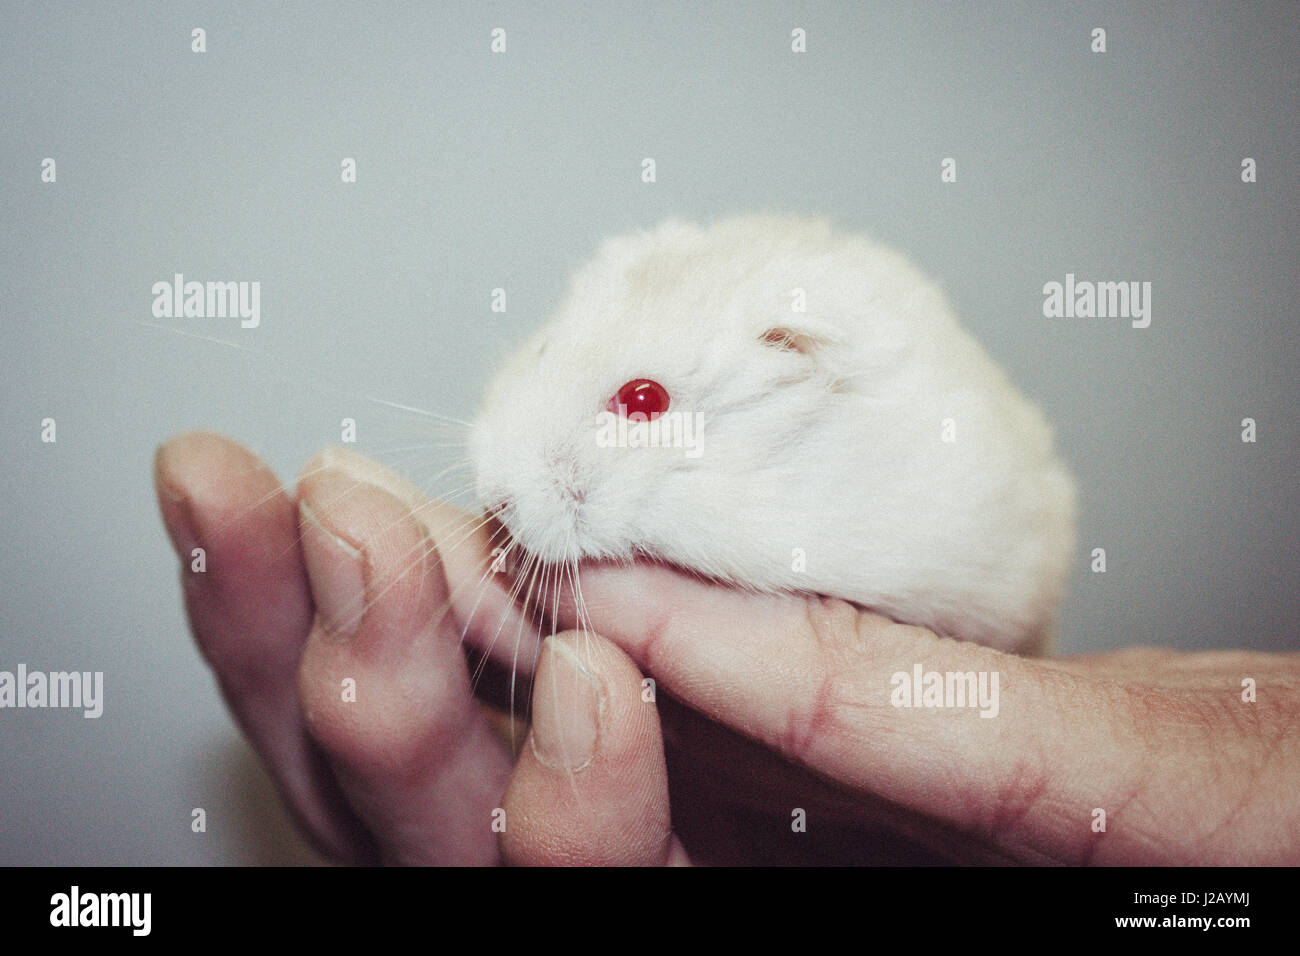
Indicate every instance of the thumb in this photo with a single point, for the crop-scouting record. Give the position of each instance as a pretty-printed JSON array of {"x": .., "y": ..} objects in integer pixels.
[
  {"x": 835, "y": 689},
  {"x": 591, "y": 785}
]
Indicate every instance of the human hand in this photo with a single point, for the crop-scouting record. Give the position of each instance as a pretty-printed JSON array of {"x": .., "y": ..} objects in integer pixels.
[
  {"x": 297, "y": 611},
  {"x": 1185, "y": 768},
  {"x": 772, "y": 707}
]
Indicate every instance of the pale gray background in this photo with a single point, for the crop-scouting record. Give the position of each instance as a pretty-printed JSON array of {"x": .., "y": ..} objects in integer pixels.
[{"x": 480, "y": 170}]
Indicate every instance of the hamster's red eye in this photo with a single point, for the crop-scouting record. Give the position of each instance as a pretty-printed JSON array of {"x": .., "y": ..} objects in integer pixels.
[{"x": 640, "y": 395}]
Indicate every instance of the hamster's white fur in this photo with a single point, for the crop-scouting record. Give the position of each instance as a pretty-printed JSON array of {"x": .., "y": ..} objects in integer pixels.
[{"x": 822, "y": 431}]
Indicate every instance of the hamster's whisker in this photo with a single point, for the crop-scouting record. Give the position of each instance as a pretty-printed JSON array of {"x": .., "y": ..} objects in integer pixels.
[
  {"x": 419, "y": 553},
  {"x": 519, "y": 639},
  {"x": 512, "y": 596},
  {"x": 458, "y": 535},
  {"x": 569, "y": 566},
  {"x": 580, "y": 602},
  {"x": 378, "y": 449},
  {"x": 356, "y": 484},
  {"x": 399, "y": 406},
  {"x": 447, "y": 471},
  {"x": 244, "y": 512},
  {"x": 484, "y": 584}
]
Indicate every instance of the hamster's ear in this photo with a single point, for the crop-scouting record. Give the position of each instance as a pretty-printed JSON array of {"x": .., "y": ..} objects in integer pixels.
[
  {"x": 785, "y": 339},
  {"x": 820, "y": 344},
  {"x": 806, "y": 335}
]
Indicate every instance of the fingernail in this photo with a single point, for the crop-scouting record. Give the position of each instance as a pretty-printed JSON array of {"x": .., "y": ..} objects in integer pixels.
[
  {"x": 566, "y": 710},
  {"x": 337, "y": 572},
  {"x": 334, "y": 458},
  {"x": 177, "y": 519}
]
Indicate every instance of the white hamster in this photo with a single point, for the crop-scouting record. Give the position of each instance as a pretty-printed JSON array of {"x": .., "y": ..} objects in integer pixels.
[{"x": 836, "y": 431}]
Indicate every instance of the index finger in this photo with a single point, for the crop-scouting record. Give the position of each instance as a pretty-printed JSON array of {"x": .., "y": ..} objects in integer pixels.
[
  {"x": 848, "y": 694},
  {"x": 482, "y": 597}
]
